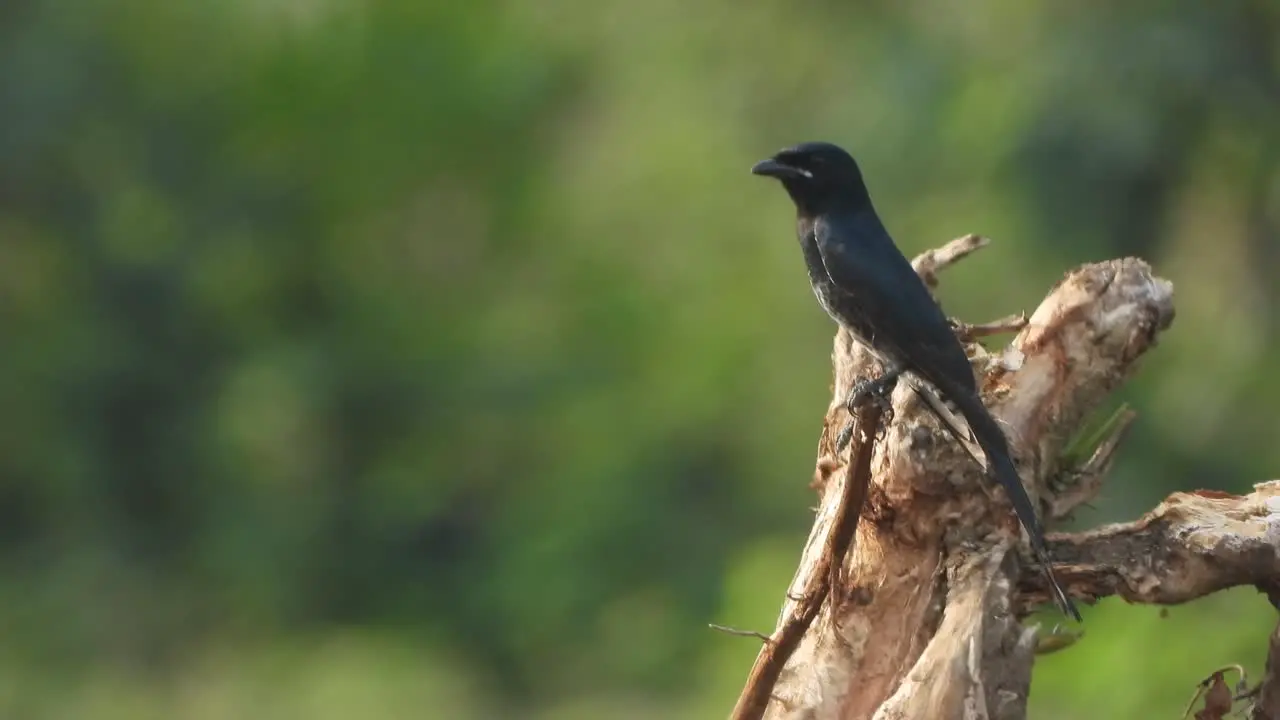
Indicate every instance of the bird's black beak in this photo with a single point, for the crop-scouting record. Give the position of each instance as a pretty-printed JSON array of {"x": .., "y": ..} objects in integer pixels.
[{"x": 773, "y": 168}]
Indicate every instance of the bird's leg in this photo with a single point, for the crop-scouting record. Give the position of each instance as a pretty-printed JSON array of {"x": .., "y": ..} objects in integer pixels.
[{"x": 877, "y": 389}]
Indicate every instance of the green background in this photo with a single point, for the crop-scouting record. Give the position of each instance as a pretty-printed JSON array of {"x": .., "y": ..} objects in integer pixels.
[{"x": 405, "y": 359}]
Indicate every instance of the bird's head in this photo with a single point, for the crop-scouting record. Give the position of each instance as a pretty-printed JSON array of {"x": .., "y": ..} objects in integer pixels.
[{"x": 819, "y": 176}]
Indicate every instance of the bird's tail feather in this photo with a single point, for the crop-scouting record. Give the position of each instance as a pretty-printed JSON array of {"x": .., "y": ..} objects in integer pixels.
[{"x": 992, "y": 441}]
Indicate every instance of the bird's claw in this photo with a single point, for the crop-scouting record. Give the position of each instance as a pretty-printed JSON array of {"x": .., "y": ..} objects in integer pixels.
[
  {"x": 876, "y": 390},
  {"x": 846, "y": 432}
]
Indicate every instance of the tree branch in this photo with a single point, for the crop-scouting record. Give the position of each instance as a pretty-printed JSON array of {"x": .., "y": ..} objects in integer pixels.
[
  {"x": 969, "y": 333},
  {"x": 821, "y": 581},
  {"x": 1189, "y": 546},
  {"x": 929, "y": 263}
]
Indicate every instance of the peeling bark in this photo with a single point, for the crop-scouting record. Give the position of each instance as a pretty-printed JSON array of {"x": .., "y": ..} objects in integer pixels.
[{"x": 1191, "y": 545}]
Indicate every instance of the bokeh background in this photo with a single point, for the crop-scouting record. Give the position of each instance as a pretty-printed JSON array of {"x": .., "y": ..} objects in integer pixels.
[{"x": 423, "y": 359}]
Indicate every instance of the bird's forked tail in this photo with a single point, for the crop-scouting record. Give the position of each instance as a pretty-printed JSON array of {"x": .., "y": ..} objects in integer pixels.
[{"x": 992, "y": 440}]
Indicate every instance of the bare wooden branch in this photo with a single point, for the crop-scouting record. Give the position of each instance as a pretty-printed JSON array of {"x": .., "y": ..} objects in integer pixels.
[
  {"x": 932, "y": 536},
  {"x": 1009, "y": 324},
  {"x": 1191, "y": 545},
  {"x": 821, "y": 582},
  {"x": 929, "y": 263}
]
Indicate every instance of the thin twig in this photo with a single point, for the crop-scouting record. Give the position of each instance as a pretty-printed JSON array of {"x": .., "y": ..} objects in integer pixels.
[
  {"x": 1218, "y": 697},
  {"x": 1009, "y": 324},
  {"x": 741, "y": 633},
  {"x": 928, "y": 263},
  {"x": 758, "y": 690}
]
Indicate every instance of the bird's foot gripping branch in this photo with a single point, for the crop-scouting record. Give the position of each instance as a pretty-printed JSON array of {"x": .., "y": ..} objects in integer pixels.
[
  {"x": 918, "y": 613},
  {"x": 877, "y": 390}
]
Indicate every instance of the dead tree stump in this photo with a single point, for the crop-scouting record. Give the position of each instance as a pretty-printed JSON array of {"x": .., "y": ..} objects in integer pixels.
[{"x": 909, "y": 594}]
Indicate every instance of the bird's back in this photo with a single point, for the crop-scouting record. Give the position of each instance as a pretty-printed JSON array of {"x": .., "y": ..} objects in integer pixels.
[{"x": 868, "y": 285}]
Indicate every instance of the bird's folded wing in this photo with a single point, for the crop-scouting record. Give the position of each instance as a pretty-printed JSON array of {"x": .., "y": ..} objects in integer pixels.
[{"x": 901, "y": 315}]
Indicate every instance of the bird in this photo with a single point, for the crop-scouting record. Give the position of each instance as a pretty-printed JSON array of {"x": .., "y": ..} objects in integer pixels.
[{"x": 864, "y": 282}]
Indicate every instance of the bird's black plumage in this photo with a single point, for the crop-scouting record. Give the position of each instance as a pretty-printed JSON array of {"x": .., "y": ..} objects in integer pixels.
[{"x": 867, "y": 285}]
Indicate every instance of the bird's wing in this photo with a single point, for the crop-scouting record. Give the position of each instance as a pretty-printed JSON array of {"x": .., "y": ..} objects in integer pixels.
[{"x": 863, "y": 262}]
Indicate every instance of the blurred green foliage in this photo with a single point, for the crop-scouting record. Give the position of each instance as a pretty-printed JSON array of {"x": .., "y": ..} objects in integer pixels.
[{"x": 373, "y": 359}]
